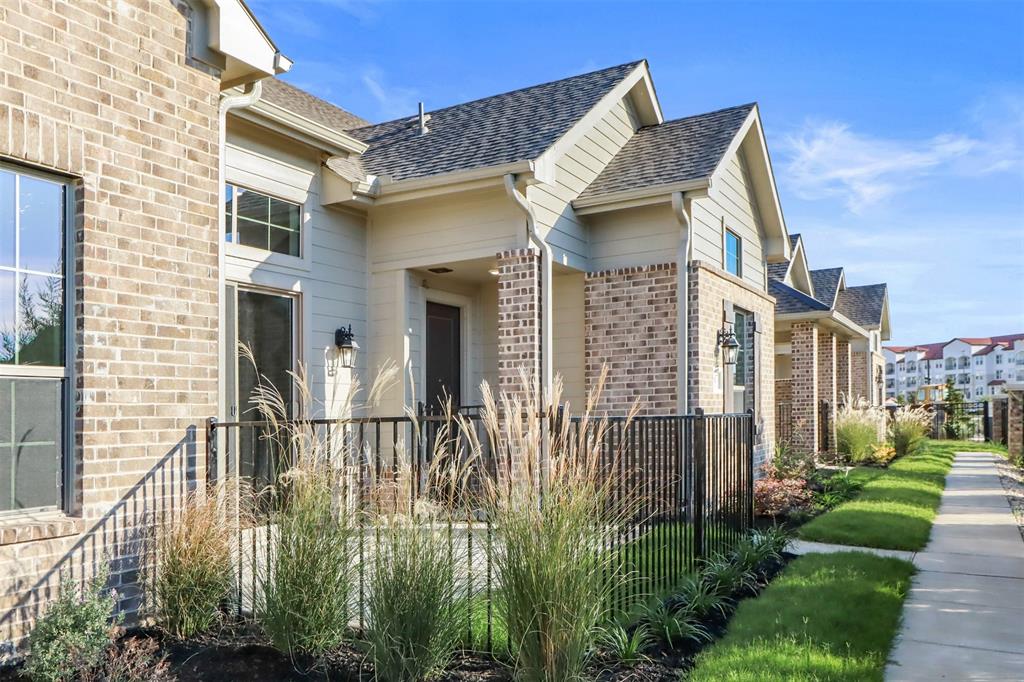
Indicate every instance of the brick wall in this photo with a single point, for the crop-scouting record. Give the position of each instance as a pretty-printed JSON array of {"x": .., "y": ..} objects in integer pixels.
[
  {"x": 519, "y": 319},
  {"x": 631, "y": 319},
  {"x": 102, "y": 92},
  {"x": 859, "y": 373},
  {"x": 843, "y": 376},
  {"x": 709, "y": 290},
  {"x": 997, "y": 407},
  {"x": 805, "y": 347},
  {"x": 827, "y": 382},
  {"x": 1015, "y": 425}
]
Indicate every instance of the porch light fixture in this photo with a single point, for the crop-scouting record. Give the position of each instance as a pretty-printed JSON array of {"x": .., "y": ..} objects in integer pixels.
[
  {"x": 344, "y": 339},
  {"x": 730, "y": 346}
]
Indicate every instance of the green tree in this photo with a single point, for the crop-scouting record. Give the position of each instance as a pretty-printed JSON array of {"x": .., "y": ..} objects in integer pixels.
[{"x": 957, "y": 421}]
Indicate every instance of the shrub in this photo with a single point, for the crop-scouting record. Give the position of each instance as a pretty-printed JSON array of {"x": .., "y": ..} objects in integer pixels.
[
  {"x": 622, "y": 645},
  {"x": 73, "y": 635},
  {"x": 907, "y": 429},
  {"x": 415, "y": 615},
  {"x": 551, "y": 525},
  {"x": 699, "y": 598},
  {"x": 858, "y": 426},
  {"x": 727, "y": 576},
  {"x": 194, "y": 568},
  {"x": 671, "y": 625},
  {"x": 789, "y": 462},
  {"x": 134, "y": 660},
  {"x": 835, "y": 490},
  {"x": 781, "y": 497}
]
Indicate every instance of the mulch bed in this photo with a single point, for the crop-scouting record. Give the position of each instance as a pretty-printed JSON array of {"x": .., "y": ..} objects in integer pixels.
[{"x": 239, "y": 652}]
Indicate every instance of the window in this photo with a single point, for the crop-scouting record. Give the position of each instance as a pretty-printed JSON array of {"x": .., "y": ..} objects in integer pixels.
[
  {"x": 999, "y": 374},
  {"x": 999, "y": 359},
  {"x": 979, "y": 361},
  {"x": 733, "y": 253},
  {"x": 742, "y": 368},
  {"x": 261, "y": 221},
  {"x": 34, "y": 380}
]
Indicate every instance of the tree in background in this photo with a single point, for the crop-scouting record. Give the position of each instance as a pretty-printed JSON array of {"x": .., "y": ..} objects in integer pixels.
[{"x": 957, "y": 422}]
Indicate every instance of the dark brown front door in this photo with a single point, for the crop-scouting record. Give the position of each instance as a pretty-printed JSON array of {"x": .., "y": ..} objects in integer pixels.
[{"x": 444, "y": 366}]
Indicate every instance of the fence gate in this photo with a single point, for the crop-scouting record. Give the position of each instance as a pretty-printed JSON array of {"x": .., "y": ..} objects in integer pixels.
[{"x": 824, "y": 425}]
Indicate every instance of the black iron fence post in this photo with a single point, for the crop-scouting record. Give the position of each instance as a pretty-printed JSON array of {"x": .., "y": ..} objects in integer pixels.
[
  {"x": 211, "y": 450},
  {"x": 987, "y": 421},
  {"x": 748, "y": 471},
  {"x": 699, "y": 480}
]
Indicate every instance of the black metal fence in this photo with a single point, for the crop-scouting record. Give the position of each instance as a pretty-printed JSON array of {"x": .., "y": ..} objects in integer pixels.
[
  {"x": 784, "y": 422},
  {"x": 960, "y": 421},
  {"x": 825, "y": 417},
  {"x": 691, "y": 477}
]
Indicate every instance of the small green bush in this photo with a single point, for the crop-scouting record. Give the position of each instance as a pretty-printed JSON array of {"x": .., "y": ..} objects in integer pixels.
[
  {"x": 73, "y": 635},
  {"x": 415, "y": 612},
  {"x": 622, "y": 645}
]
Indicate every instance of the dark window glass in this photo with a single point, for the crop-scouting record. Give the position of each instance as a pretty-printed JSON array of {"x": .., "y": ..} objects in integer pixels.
[
  {"x": 41, "y": 321},
  {"x": 733, "y": 254},
  {"x": 31, "y": 443},
  {"x": 262, "y": 222}
]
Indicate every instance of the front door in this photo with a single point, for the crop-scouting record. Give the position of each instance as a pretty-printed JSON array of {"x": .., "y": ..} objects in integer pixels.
[
  {"x": 266, "y": 326},
  {"x": 443, "y": 357}
]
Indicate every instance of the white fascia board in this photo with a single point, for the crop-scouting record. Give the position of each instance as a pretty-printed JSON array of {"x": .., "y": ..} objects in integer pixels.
[
  {"x": 292, "y": 125},
  {"x": 829, "y": 318},
  {"x": 390, "y": 191},
  {"x": 639, "y": 196},
  {"x": 235, "y": 33}
]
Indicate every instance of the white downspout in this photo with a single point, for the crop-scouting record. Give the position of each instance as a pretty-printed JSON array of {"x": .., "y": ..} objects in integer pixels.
[
  {"x": 227, "y": 103},
  {"x": 683, "y": 304},
  {"x": 547, "y": 376}
]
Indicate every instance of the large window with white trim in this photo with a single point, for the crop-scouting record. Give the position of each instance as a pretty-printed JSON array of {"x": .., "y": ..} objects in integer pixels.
[{"x": 34, "y": 328}]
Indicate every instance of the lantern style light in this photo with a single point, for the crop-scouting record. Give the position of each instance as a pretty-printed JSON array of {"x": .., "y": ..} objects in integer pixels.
[
  {"x": 344, "y": 339},
  {"x": 730, "y": 346}
]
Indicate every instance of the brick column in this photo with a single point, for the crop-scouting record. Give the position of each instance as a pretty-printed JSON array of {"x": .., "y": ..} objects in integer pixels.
[
  {"x": 998, "y": 409},
  {"x": 519, "y": 318},
  {"x": 804, "y": 384},
  {"x": 1015, "y": 425},
  {"x": 844, "y": 356},
  {"x": 827, "y": 382},
  {"x": 859, "y": 373}
]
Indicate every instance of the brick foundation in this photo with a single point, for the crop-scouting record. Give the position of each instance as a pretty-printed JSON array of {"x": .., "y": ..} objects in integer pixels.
[{"x": 631, "y": 320}]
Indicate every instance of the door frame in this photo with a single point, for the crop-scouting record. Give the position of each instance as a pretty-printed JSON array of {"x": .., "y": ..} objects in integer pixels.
[
  {"x": 298, "y": 320},
  {"x": 465, "y": 305}
]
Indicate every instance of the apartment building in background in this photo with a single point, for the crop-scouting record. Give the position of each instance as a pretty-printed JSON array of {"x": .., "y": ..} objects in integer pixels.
[{"x": 981, "y": 367}]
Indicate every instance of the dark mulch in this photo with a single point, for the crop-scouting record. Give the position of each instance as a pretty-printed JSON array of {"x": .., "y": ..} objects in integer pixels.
[{"x": 239, "y": 652}]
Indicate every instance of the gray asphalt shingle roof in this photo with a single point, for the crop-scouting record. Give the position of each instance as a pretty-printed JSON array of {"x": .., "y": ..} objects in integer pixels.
[
  {"x": 778, "y": 270},
  {"x": 674, "y": 151},
  {"x": 790, "y": 300},
  {"x": 826, "y": 283},
  {"x": 309, "y": 106},
  {"x": 514, "y": 126},
  {"x": 863, "y": 304}
]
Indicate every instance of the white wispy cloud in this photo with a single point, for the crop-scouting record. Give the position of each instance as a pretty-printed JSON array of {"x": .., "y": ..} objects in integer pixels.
[
  {"x": 833, "y": 160},
  {"x": 392, "y": 101}
]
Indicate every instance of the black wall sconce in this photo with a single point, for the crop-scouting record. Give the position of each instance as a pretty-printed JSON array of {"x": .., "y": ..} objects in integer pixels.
[
  {"x": 344, "y": 339},
  {"x": 729, "y": 345}
]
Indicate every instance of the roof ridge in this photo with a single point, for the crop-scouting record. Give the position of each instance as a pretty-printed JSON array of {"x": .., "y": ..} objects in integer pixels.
[{"x": 503, "y": 94}]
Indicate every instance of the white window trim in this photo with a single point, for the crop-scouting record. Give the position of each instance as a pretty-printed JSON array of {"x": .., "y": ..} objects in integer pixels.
[
  {"x": 465, "y": 305},
  {"x": 726, "y": 231},
  {"x": 255, "y": 257}
]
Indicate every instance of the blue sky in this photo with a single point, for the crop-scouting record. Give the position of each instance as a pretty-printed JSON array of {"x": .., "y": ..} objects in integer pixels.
[{"x": 896, "y": 130}]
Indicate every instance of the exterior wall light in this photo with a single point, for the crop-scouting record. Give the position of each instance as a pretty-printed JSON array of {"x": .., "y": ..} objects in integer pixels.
[
  {"x": 729, "y": 345},
  {"x": 344, "y": 339}
]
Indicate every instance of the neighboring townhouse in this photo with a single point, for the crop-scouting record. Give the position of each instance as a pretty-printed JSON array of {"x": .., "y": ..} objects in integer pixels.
[
  {"x": 195, "y": 202},
  {"x": 980, "y": 367},
  {"x": 109, "y": 243},
  {"x": 828, "y": 347}
]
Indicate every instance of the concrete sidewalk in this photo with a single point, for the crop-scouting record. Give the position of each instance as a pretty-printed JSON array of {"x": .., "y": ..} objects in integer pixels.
[{"x": 964, "y": 616}]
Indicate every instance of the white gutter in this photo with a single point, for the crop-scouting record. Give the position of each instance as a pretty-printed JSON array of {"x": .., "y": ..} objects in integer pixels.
[
  {"x": 682, "y": 301},
  {"x": 547, "y": 357},
  {"x": 227, "y": 103}
]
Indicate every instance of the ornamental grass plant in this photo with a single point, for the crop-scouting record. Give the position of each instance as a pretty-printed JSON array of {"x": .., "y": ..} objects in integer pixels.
[
  {"x": 858, "y": 430},
  {"x": 554, "y": 512},
  {"x": 908, "y": 427}
]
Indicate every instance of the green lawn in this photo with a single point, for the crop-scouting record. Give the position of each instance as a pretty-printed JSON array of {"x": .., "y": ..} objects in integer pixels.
[
  {"x": 826, "y": 617},
  {"x": 896, "y": 508}
]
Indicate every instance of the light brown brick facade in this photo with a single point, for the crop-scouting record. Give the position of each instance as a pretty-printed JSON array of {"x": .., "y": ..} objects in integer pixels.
[
  {"x": 519, "y": 318},
  {"x": 804, "y": 386},
  {"x": 631, "y": 320},
  {"x": 1015, "y": 425},
  {"x": 827, "y": 385},
  {"x": 844, "y": 356},
  {"x": 102, "y": 93}
]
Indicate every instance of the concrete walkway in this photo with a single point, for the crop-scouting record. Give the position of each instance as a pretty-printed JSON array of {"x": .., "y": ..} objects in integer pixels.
[{"x": 964, "y": 616}]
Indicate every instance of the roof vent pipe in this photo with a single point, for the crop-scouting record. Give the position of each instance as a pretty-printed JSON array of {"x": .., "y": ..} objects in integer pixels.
[{"x": 423, "y": 121}]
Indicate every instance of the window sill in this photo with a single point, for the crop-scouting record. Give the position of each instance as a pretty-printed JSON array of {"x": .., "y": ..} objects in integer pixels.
[{"x": 38, "y": 526}]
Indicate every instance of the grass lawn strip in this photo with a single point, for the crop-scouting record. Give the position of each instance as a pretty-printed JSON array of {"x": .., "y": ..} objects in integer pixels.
[
  {"x": 826, "y": 617},
  {"x": 895, "y": 510}
]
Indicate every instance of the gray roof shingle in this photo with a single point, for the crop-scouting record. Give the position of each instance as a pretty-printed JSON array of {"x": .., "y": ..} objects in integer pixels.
[
  {"x": 863, "y": 304},
  {"x": 514, "y": 126},
  {"x": 826, "y": 283},
  {"x": 790, "y": 300},
  {"x": 674, "y": 151},
  {"x": 778, "y": 271},
  {"x": 304, "y": 104}
]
